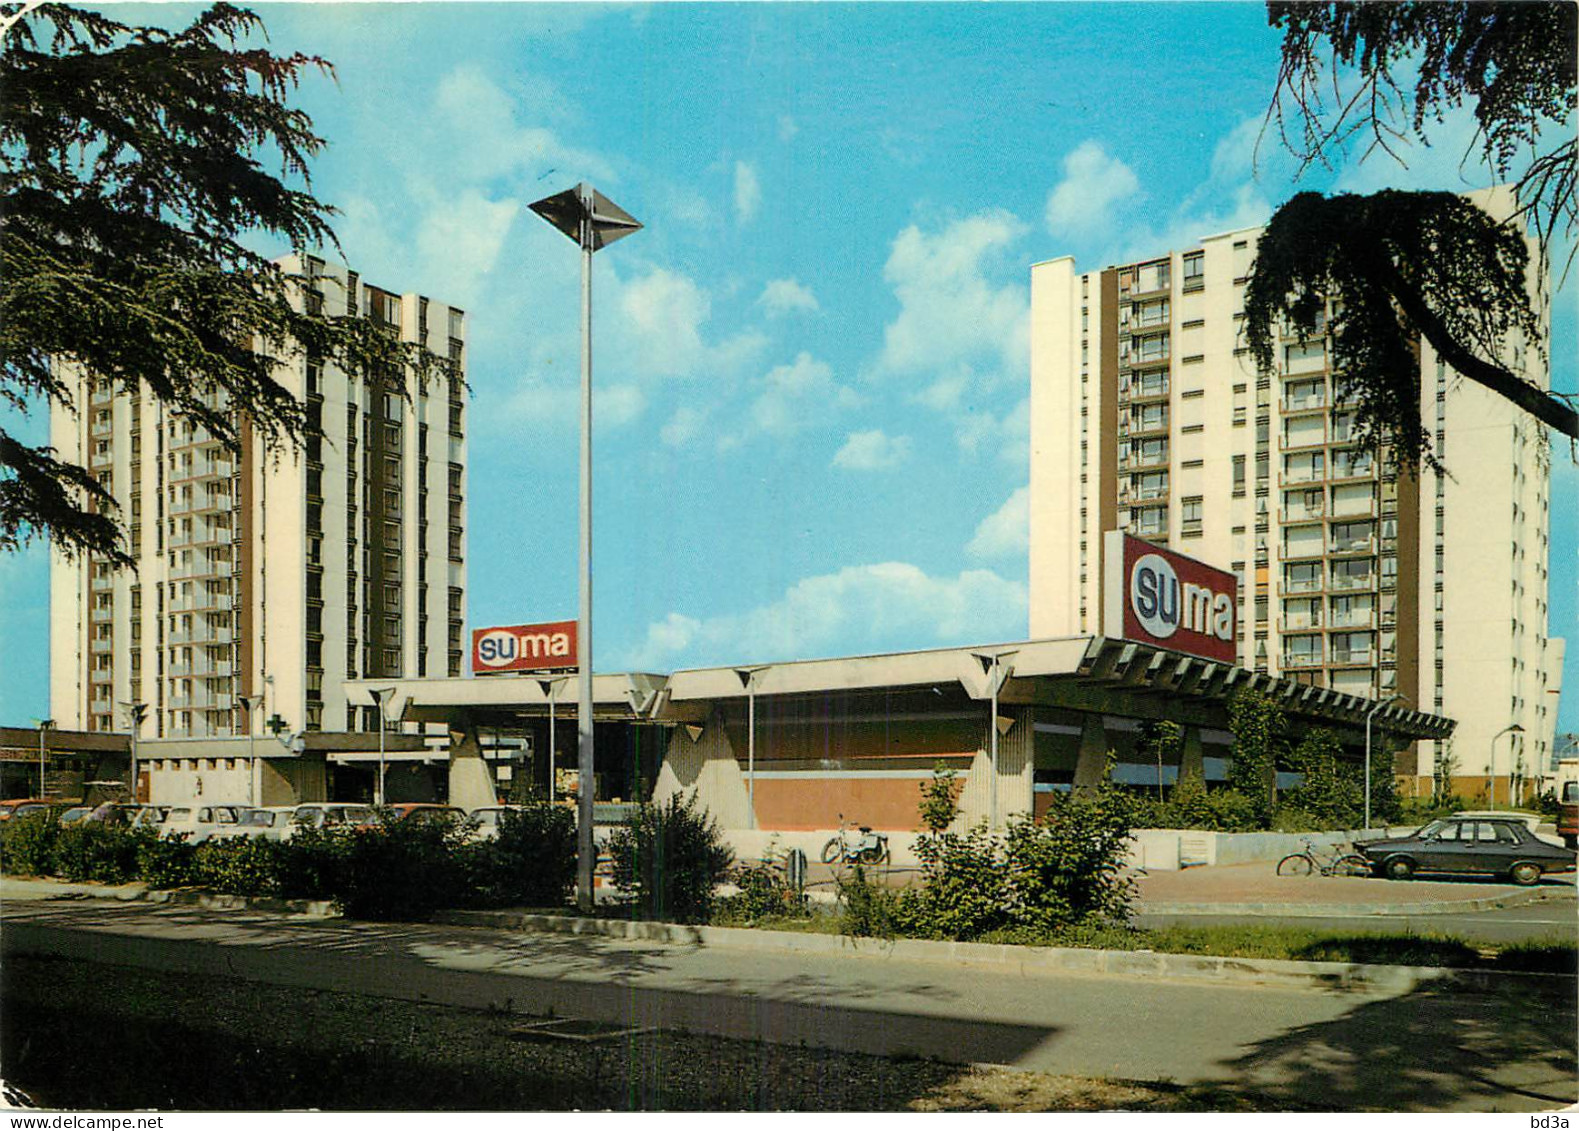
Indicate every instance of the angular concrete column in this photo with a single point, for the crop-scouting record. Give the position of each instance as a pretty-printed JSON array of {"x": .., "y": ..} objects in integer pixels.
[
  {"x": 1093, "y": 752},
  {"x": 471, "y": 786},
  {"x": 1192, "y": 761}
]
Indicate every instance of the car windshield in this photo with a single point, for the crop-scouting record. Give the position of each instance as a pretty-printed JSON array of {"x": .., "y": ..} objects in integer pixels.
[
  {"x": 486, "y": 816},
  {"x": 179, "y": 815},
  {"x": 1433, "y": 828}
]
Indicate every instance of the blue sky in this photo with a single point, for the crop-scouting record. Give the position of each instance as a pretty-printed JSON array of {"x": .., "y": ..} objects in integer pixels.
[{"x": 811, "y": 364}]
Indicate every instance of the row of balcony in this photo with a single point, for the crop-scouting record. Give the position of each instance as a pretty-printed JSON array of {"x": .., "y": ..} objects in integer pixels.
[
  {"x": 202, "y": 635},
  {"x": 1349, "y": 658},
  {"x": 1348, "y": 584},
  {"x": 219, "y": 669},
  {"x": 1360, "y": 547}
]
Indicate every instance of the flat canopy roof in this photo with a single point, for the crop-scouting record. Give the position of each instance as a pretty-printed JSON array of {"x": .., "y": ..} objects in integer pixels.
[{"x": 1088, "y": 673}]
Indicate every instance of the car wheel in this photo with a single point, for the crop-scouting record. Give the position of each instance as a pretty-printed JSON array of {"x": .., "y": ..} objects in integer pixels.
[
  {"x": 1400, "y": 868},
  {"x": 1525, "y": 873},
  {"x": 1571, "y": 841},
  {"x": 830, "y": 851}
]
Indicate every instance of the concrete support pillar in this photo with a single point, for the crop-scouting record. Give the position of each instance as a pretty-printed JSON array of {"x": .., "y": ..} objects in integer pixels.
[
  {"x": 1192, "y": 762},
  {"x": 707, "y": 765},
  {"x": 1093, "y": 752},
  {"x": 471, "y": 786}
]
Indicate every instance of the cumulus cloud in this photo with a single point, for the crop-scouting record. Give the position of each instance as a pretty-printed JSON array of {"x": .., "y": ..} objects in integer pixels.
[
  {"x": 873, "y": 450},
  {"x": 792, "y": 395},
  {"x": 1009, "y": 435},
  {"x": 661, "y": 329},
  {"x": 888, "y": 606},
  {"x": 785, "y": 296},
  {"x": 950, "y": 312},
  {"x": 1093, "y": 185},
  {"x": 683, "y": 427},
  {"x": 787, "y": 128},
  {"x": 748, "y": 192},
  {"x": 1006, "y": 531}
]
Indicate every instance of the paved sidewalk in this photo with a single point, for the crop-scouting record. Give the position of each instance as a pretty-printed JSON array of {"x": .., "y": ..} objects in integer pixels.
[
  {"x": 1243, "y": 888},
  {"x": 1339, "y": 1050}
]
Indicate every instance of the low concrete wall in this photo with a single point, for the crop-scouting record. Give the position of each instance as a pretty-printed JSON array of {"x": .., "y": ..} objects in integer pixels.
[{"x": 1166, "y": 850}]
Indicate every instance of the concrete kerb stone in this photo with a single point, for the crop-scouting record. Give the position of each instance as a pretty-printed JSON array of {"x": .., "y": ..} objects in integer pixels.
[{"x": 1344, "y": 910}]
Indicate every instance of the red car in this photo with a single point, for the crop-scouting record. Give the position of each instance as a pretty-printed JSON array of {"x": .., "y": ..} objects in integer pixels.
[{"x": 21, "y": 806}]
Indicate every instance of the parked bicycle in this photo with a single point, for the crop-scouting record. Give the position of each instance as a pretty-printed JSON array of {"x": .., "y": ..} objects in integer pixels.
[
  {"x": 866, "y": 848},
  {"x": 1328, "y": 862}
]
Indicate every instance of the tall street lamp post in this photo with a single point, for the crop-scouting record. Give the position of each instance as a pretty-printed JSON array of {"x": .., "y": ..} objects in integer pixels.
[
  {"x": 593, "y": 221},
  {"x": 136, "y": 712},
  {"x": 44, "y": 725},
  {"x": 250, "y": 704},
  {"x": 1368, "y": 716},
  {"x": 1491, "y": 766},
  {"x": 381, "y": 696},
  {"x": 551, "y": 689}
]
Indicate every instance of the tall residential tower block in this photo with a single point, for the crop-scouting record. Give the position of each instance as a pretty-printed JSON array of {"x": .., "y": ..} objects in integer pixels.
[
  {"x": 276, "y": 573},
  {"x": 1148, "y": 415}
]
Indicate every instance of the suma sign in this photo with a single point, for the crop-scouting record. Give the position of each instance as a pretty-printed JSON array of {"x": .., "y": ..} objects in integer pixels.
[
  {"x": 524, "y": 648},
  {"x": 1156, "y": 596}
]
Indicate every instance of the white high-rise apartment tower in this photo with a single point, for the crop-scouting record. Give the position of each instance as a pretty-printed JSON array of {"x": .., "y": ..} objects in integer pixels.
[
  {"x": 1148, "y": 415},
  {"x": 276, "y": 574}
]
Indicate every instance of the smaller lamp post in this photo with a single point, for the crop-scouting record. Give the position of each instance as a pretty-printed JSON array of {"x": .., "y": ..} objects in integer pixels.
[
  {"x": 381, "y": 697},
  {"x": 44, "y": 725},
  {"x": 136, "y": 712},
  {"x": 250, "y": 704},
  {"x": 1491, "y": 766}
]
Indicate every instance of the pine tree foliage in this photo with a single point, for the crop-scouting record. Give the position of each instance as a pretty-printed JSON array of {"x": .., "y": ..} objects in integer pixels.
[
  {"x": 1405, "y": 266},
  {"x": 138, "y": 167}
]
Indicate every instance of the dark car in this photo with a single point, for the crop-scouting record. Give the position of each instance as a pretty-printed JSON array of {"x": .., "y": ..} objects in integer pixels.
[{"x": 1502, "y": 846}]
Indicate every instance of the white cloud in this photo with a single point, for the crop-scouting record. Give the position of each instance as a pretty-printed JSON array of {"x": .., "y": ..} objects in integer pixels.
[
  {"x": 950, "y": 313},
  {"x": 1009, "y": 435},
  {"x": 748, "y": 192},
  {"x": 660, "y": 332},
  {"x": 461, "y": 244},
  {"x": 1006, "y": 531},
  {"x": 787, "y": 128},
  {"x": 794, "y": 394},
  {"x": 784, "y": 296},
  {"x": 475, "y": 119},
  {"x": 874, "y": 450},
  {"x": 682, "y": 427},
  {"x": 1094, "y": 183},
  {"x": 868, "y": 608}
]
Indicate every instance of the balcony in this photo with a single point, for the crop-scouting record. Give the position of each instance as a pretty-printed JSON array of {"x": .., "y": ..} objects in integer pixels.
[
  {"x": 1353, "y": 582},
  {"x": 1148, "y": 390},
  {"x": 1299, "y": 622},
  {"x": 1308, "y": 402},
  {"x": 1365, "y": 619},
  {"x": 1353, "y": 657},
  {"x": 99, "y": 616},
  {"x": 1348, "y": 508},
  {"x": 1302, "y": 660},
  {"x": 1354, "y": 546},
  {"x": 1301, "y": 514},
  {"x": 103, "y": 584},
  {"x": 1304, "y": 585},
  {"x": 102, "y": 646},
  {"x": 1314, "y": 438}
]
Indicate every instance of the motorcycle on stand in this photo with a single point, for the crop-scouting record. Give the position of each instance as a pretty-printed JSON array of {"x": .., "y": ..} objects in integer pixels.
[{"x": 863, "y": 846}]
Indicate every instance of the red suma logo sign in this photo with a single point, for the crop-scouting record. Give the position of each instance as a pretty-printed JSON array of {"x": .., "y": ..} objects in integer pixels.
[
  {"x": 524, "y": 648},
  {"x": 1159, "y": 597}
]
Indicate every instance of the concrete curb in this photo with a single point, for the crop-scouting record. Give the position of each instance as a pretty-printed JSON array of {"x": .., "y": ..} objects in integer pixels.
[
  {"x": 179, "y": 897},
  {"x": 1011, "y": 959},
  {"x": 1323, "y": 910}
]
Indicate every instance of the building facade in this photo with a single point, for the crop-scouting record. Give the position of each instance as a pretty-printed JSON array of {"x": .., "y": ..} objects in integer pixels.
[
  {"x": 1148, "y": 415},
  {"x": 272, "y": 574}
]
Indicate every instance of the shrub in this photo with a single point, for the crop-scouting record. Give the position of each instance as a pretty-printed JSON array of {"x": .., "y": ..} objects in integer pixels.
[
  {"x": 96, "y": 850},
  {"x": 867, "y": 910},
  {"x": 1068, "y": 868},
  {"x": 1257, "y": 721},
  {"x": 764, "y": 894},
  {"x": 312, "y": 864},
  {"x": 1332, "y": 791},
  {"x": 1192, "y": 806},
  {"x": 668, "y": 858},
  {"x": 238, "y": 866},
  {"x": 27, "y": 844},
  {"x": 964, "y": 890},
  {"x": 163, "y": 862},
  {"x": 532, "y": 862},
  {"x": 402, "y": 869}
]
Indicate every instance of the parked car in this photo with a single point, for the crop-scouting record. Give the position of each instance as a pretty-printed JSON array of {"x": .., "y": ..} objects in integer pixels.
[
  {"x": 1568, "y": 813},
  {"x": 21, "y": 807},
  {"x": 198, "y": 822},
  {"x": 325, "y": 814},
  {"x": 426, "y": 811},
  {"x": 486, "y": 820},
  {"x": 1463, "y": 845},
  {"x": 74, "y": 814},
  {"x": 268, "y": 822}
]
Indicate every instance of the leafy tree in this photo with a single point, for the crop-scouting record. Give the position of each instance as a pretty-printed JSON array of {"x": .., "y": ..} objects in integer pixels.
[
  {"x": 132, "y": 179},
  {"x": 1161, "y": 742},
  {"x": 1330, "y": 791},
  {"x": 1257, "y": 721},
  {"x": 1417, "y": 264}
]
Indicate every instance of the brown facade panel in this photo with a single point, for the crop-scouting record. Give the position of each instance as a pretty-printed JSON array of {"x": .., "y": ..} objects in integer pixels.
[
  {"x": 801, "y": 804},
  {"x": 1408, "y": 607},
  {"x": 246, "y": 553}
]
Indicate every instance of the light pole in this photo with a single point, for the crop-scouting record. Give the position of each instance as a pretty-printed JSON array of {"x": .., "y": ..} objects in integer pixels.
[
  {"x": 136, "y": 712},
  {"x": 1491, "y": 766},
  {"x": 43, "y": 726},
  {"x": 1368, "y": 716},
  {"x": 748, "y": 680},
  {"x": 993, "y": 666},
  {"x": 551, "y": 689},
  {"x": 250, "y": 704},
  {"x": 381, "y": 696},
  {"x": 593, "y": 221}
]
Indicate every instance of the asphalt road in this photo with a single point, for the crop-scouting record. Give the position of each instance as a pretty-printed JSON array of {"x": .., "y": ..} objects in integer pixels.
[
  {"x": 1558, "y": 919},
  {"x": 1434, "y": 1048}
]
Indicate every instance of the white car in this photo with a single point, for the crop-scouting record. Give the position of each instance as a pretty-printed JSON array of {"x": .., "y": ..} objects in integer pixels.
[
  {"x": 326, "y": 815},
  {"x": 485, "y": 821},
  {"x": 198, "y": 822},
  {"x": 268, "y": 822}
]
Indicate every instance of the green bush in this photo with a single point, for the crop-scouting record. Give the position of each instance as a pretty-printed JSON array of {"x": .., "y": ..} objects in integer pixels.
[
  {"x": 1190, "y": 805},
  {"x": 165, "y": 862},
  {"x": 27, "y": 844},
  {"x": 403, "y": 869},
  {"x": 1258, "y": 723},
  {"x": 532, "y": 862},
  {"x": 238, "y": 866},
  {"x": 867, "y": 910},
  {"x": 1068, "y": 867},
  {"x": 964, "y": 891},
  {"x": 312, "y": 863},
  {"x": 764, "y": 895},
  {"x": 96, "y": 851},
  {"x": 668, "y": 858}
]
